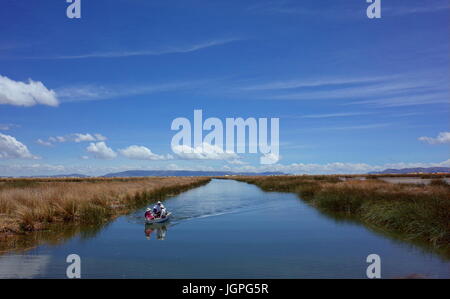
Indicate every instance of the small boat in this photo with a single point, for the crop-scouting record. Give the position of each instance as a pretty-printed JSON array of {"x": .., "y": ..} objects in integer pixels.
[{"x": 159, "y": 219}]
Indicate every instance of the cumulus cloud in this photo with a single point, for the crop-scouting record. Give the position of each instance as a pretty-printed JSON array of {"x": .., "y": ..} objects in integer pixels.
[
  {"x": 25, "y": 93},
  {"x": 336, "y": 167},
  {"x": 204, "y": 152},
  {"x": 443, "y": 137},
  {"x": 78, "y": 137},
  {"x": 11, "y": 148},
  {"x": 270, "y": 158},
  {"x": 43, "y": 142},
  {"x": 237, "y": 162},
  {"x": 75, "y": 137},
  {"x": 137, "y": 152},
  {"x": 101, "y": 151}
]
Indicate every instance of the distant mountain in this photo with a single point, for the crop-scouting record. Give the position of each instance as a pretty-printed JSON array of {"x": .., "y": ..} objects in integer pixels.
[
  {"x": 72, "y": 175},
  {"x": 141, "y": 173},
  {"x": 413, "y": 170}
]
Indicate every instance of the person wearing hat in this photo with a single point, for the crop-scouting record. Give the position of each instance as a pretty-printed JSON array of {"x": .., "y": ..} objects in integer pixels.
[
  {"x": 159, "y": 209},
  {"x": 148, "y": 214}
]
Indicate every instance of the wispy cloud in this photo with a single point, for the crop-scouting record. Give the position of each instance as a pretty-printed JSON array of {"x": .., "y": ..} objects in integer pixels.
[
  {"x": 335, "y": 115},
  {"x": 427, "y": 7},
  {"x": 378, "y": 91},
  {"x": 7, "y": 127},
  {"x": 100, "y": 92},
  {"x": 345, "y": 10},
  {"x": 323, "y": 82},
  {"x": 407, "y": 100},
  {"x": 353, "y": 127},
  {"x": 152, "y": 52},
  {"x": 367, "y": 90}
]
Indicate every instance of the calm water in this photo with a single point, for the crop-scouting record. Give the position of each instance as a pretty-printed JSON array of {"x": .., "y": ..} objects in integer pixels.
[{"x": 228, "y": 229}]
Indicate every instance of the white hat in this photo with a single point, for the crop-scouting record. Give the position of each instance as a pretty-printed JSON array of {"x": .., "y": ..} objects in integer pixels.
[
  {"x": 148, "y": 209},
  {"x": 158, "y": 202}
]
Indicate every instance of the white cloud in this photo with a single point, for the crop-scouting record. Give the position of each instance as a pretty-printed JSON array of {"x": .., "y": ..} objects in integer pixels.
[
  {"x": 17, "y": 169},
  {"x": 379, "y": 91},
  {"x": 167, "y": 50},
  {"x": 75, "y": 137},
  {"x": 270, "y": 158},
  {"x": 137, "y": 152},
  {"x": 336, "y": 167},
  {"x": 97, "y": 92},
  {"x": 333, "y": 115},
  {"x": 6, "y": 127},
  {"x": 432, "y": 6},
  {"x": 204, "y": 152},
  {"x": 443, "y": 137},
  {"x": 78, "y": 137},
  {"x": 237, "y": 162},
  {"x": 345, "y": 11},
  {"x": 43, "y": 142},
  {"x": 101, "y": 151},
  {"x": 100, "y": 137},
  {"x": 301, "y": 83},
  {"x": 57, "y": 139},
  {"x": 25, "y": 94},
  {"x": 10, "y": 148}
]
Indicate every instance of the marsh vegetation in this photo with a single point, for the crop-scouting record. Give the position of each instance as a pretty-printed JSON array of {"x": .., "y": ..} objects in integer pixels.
[
  {"x": 33, "y": 204},
  {"x": 416, "y": 212}
]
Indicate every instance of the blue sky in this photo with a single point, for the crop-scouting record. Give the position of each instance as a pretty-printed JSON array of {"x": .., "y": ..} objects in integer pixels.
[{"x": 353, "y": 94}]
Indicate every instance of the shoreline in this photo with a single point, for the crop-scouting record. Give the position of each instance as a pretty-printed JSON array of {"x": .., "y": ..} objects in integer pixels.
[
  {"x": 41, "y": 205},
  {"x": 414, "y": 212}
]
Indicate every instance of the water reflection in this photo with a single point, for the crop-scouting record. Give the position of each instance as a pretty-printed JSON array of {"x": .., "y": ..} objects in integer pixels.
[
  {"x": 257, "y": 235},
  {"x": 23, "y": 266},
  {"x": 56, "y": 234},
  {"x": 158, "y": 230}
]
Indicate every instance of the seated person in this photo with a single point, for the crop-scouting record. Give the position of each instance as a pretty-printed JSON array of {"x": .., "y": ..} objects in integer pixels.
[
  {"x": 158, "y": 208},
  {"x": 148, "y": 214}
]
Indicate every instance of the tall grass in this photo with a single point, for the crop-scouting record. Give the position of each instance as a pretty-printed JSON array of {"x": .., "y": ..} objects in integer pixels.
[
  {"x": 416, "y": 212},
  {"x": 33, "y": 204}
]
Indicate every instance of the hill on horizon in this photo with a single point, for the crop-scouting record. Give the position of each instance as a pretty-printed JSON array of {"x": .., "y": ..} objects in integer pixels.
[
  {"x": 413, "y": 170},
  {"x": 140, "y": 173}
]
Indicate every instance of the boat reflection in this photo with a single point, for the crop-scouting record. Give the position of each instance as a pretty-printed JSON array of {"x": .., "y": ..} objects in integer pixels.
[{"x": 157, "y": 229}]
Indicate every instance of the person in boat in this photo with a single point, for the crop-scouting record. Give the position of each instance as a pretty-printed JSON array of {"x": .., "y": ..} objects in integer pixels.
[
  {"x": 159, "y": 210},
  {"x": 148, "y": 214},
  {"x": 163, "y": 212}
]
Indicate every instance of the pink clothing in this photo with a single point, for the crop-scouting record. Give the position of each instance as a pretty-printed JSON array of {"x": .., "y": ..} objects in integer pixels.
[{"x": 148, "y": 215}]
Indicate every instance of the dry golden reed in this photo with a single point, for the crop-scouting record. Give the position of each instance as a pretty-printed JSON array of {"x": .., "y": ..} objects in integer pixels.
[{"x": 32, "y": 204}]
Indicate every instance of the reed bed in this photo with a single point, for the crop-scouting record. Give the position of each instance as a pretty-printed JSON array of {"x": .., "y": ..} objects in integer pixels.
[
  {"x": 34, "y": 204},
  {"x": 416, "y": 212}
]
